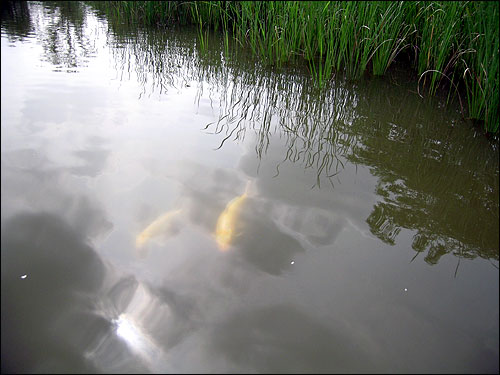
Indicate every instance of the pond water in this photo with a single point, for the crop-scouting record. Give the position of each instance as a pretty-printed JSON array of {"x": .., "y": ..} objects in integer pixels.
[{"x": 167, "y": 208}]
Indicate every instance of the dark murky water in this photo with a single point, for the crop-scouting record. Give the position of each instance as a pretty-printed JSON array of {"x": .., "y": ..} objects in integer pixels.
[{"x": 167, "y": 209}]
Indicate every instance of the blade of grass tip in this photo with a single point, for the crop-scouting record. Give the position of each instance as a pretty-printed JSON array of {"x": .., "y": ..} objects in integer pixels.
[{"x": 454, "y": 85}]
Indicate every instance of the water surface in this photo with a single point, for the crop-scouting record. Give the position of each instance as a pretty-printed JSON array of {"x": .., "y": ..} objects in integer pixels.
[{"x": 364, "y": 218}]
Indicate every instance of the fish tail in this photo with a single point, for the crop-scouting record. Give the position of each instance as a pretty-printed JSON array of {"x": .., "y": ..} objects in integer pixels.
[{"x": 247, "y": 187}]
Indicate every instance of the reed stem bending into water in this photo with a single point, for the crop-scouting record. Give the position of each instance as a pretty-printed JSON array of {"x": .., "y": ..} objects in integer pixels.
[{"x": 449, "y": 43}]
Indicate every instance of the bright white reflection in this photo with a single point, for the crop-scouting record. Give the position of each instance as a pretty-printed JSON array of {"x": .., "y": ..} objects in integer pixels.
[
  {"x": 127, "y": 330},
  {"x": 135, "y": 338}
]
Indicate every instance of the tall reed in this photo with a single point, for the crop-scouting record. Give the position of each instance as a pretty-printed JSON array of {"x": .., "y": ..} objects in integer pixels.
[{"x": 481, "y": 65}]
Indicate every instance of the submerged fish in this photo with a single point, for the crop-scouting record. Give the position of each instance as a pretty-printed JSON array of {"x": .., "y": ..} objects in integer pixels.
[
  {"x": 226, "y": 224},
  {"x": 162, "y": 225}
]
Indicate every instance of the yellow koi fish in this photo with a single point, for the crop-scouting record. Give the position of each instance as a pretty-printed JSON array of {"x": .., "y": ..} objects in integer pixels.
[
  {"x": 225, "y": 230},
  {"x": 161, "y": 225}
]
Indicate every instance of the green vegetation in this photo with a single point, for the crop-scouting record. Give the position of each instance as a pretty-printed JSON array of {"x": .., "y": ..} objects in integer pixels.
[{"x": 452, "y": 45}]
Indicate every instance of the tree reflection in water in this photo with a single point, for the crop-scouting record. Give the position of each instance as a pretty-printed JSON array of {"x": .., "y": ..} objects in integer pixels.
[{"x": 434, "y": 180}]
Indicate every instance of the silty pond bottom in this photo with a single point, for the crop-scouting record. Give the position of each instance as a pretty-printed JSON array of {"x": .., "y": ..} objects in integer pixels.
[{"x": 172, "y": 209}]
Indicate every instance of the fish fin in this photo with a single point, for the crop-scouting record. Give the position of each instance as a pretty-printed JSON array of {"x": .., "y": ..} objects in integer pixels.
[{"x": 140, "y": 241}]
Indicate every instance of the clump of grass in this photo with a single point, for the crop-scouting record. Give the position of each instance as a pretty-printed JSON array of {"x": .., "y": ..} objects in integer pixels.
[
  {"x": 392, "y": 35},
  {"x": 439, "y": 39},
  {"x": 450, "y": 43},
  {"x": 481, "y": 65}
]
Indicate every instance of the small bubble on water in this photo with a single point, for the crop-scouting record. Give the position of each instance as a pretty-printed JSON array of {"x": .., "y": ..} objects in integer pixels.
[
  {"x": 24, "y": 276},
  {"x": 292, "y": 262}
]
